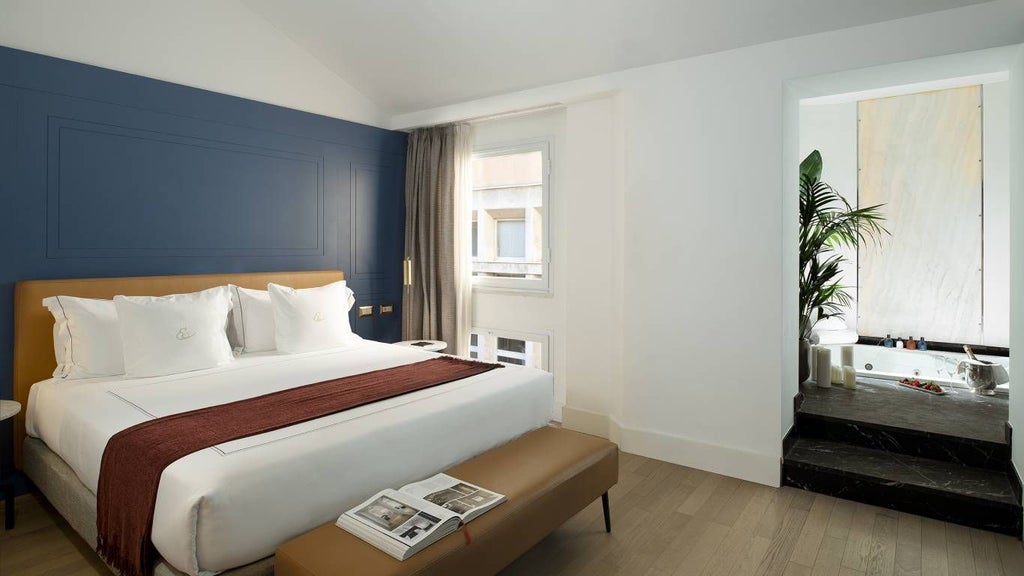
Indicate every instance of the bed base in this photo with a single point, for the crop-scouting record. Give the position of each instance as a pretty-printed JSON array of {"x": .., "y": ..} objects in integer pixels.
[{"x": 77, "y": 504}]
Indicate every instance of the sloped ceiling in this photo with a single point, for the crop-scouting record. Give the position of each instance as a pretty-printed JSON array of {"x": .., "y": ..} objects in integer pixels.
[
  {"x": 411, "y": 55},
  {"x": 221, "y": 46}
]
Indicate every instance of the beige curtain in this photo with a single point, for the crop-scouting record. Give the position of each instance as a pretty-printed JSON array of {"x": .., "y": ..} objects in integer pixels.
[{"x": 436, "y": 301}]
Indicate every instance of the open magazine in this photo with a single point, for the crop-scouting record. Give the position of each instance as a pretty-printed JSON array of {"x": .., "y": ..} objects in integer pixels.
[{"x": 402, "y": 522}]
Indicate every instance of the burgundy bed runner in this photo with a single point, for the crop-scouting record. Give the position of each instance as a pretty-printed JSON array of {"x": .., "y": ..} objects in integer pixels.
[{"x": 135, "y": 458}]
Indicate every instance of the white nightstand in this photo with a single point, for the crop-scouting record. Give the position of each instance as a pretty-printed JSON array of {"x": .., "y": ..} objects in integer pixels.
[
  {"x": 428, "y": 345},
  {"x": 8, "y": 409}
]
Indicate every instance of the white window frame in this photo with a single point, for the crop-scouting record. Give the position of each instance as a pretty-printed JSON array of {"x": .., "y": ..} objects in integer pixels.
[
  {"x": 543, "y": 339},
  {"x": 542, "y": 285}
]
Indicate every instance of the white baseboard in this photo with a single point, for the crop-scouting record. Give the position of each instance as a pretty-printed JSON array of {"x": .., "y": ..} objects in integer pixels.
[
  {"x": 585, "y": 421},
  {"x": 752, "y": 466}
]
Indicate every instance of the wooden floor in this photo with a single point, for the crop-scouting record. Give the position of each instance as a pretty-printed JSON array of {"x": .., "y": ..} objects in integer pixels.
[{"x": 666, "y": 519}]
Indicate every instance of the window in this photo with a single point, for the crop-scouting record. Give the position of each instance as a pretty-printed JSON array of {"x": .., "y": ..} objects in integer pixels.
[
  {"x": 510, "y": 224},
  {"x": 512, "y": 239},
  {"x": 520, "y": 349}
]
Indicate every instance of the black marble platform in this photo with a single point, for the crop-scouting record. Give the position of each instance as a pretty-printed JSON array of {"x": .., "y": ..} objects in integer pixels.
[
  {"x": 958, "y": 414},
  {"x": 948, "y": 491},
  {"x": 946, "y": 457}
]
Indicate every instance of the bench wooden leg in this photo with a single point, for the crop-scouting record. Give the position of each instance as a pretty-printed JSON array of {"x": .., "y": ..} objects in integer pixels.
[{"x": 607, "y": 513}]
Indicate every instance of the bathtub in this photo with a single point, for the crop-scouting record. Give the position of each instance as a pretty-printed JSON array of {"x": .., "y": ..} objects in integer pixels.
[{"x": 894, "y": 364}]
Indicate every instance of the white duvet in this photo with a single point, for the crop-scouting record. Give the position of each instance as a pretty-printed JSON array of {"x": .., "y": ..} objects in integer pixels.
[{"x": 234, "y": 503}]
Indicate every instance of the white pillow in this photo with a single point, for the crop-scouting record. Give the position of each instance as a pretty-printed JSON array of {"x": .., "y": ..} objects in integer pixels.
[
  {"x": 176, "y": 333},
  {"x": 311, "y": 318},
  {"x": 252, "y": 316},
  {"x": 86, "y": 337}
]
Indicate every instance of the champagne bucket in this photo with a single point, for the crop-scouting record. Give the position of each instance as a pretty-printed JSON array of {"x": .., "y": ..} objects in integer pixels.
[{"x": 983, "y": 377}]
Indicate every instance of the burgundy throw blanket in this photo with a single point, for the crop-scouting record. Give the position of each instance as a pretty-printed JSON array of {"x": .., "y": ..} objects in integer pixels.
[{"x": 135, "y": 458}]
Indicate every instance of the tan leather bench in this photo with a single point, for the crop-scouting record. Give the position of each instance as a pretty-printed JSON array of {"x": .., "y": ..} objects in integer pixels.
[{"x": 548, "y": 475}]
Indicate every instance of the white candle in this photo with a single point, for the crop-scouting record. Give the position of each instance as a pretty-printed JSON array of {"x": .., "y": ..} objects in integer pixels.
[
  {"x": 823, "y": 370},
  {"x": 837, "y": 375},
  {"x": 849, "y": 378},
  {"x": 847, "y": 354},
  {"x": 814, "y": 360}
]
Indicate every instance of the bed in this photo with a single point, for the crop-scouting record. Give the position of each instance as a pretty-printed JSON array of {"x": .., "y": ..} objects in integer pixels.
[{"x": 226, "y": 508}]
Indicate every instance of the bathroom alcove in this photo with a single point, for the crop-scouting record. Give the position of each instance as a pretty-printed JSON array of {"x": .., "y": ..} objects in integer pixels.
[{"x": 980, "y": 67}]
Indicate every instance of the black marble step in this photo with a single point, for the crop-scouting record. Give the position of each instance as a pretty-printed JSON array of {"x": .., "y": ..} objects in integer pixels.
[
  {"x": 958, "y": 427},
  {"x": 963, "y": 451},
  {"x": 938, "y": 489}
]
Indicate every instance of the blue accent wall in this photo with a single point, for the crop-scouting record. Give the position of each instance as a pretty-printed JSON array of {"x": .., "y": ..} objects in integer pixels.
[{"x": 109, "y": 174}]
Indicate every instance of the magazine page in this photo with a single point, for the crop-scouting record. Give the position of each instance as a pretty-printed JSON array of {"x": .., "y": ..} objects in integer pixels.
[
  {"x": 400, "y": 517},
  {"x": 465, "y": 499}
]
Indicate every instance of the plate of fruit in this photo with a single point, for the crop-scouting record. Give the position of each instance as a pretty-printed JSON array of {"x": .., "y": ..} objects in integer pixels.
[{"x": 922, "y": 385}]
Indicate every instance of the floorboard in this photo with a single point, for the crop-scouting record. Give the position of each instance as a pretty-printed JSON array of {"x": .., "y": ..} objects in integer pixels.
[{"x": 667, "y": 520}]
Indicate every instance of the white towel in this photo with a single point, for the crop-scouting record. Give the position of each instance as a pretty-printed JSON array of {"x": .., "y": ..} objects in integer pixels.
[{"x": 835, "y": 337}]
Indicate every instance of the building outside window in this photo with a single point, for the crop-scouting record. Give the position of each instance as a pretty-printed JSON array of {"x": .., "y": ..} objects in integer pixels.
[{"x": 509, "y": 234}]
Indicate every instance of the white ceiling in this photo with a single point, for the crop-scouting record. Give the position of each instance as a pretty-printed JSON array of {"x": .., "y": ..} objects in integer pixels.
[{"x": 411, "y": 55}]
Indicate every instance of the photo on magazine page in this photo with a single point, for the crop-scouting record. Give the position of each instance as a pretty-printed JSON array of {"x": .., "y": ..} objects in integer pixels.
[
  {"x": 417, "y": 527},
  {"x": 461, "y": 498},
  {"x": 402, "y": 521},
  {"x": 387, "y": 513}
]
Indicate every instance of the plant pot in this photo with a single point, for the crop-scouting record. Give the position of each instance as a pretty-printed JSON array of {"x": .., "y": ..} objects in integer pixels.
[{"x": 804, "y": 360}]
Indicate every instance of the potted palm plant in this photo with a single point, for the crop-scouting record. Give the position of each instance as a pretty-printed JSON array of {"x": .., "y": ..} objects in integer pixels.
[{"x": 827, "y": 223}]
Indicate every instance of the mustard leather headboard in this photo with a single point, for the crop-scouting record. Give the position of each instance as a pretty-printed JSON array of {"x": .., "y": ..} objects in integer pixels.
[{"x": 33, "y": 325}]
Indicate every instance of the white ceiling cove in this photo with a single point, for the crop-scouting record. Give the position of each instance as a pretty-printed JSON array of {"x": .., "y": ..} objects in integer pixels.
[{"x": 415, "y": 54}]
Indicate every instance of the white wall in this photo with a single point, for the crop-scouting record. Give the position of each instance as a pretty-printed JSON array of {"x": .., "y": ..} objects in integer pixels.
[
  {"x": 1016, "y": 89},
  {"x": 708, "y": 335},
  {"x": 593, "y": 227},
  {"x": 220, "y": 46},
  {"x": 832, "y": 129},
  {"x": 996, "y": 186},
  {"x": 519, "y": 311}
]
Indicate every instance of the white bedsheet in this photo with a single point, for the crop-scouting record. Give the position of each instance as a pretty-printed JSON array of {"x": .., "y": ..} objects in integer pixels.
[{"x": 233, "y": 504}]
